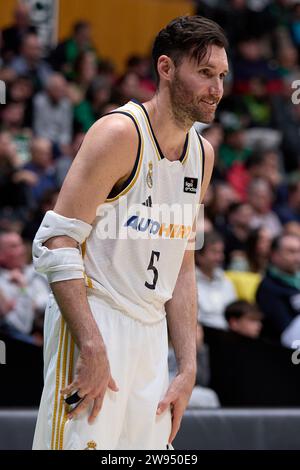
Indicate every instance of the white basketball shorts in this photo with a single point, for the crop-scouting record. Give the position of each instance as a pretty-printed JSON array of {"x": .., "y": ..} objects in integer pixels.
[{"x": 137, "y": 355}]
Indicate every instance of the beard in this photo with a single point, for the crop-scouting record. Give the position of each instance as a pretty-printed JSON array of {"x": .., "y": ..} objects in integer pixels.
[{"x": 187, "y": 108}]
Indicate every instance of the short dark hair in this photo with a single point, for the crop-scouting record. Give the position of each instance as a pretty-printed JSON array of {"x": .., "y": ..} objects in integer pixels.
[
  {"x": 187, "y": 36},
  {"x": 211, "y": 238},
  {"x": 276, "y": 244},
  {"x": 240, "y": 308}
]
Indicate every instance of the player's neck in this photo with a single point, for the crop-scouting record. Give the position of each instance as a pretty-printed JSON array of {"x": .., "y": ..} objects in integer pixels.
[{"x": 171, "y": 135}]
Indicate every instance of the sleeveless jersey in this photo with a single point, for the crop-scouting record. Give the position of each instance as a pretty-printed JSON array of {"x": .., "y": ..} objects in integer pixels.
[{"x": 134, "y": 252}]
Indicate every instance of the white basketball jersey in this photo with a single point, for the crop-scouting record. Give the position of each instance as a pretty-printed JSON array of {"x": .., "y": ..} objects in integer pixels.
[{"x": 135, "y": 250}]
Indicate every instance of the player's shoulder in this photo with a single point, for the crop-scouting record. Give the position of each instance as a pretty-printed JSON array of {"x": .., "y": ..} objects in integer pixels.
[{"x": 115, "y": 124}]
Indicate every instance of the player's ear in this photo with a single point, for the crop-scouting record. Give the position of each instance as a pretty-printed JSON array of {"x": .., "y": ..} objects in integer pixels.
[{"x": 165, "y": 67}]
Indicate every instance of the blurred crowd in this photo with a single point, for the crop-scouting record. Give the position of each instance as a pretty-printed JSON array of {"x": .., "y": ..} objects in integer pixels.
[{"x": 248, "y": 272}]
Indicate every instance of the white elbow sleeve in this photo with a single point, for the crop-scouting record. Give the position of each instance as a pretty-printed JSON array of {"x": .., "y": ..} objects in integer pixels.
[{"x": 59, "y": 264}]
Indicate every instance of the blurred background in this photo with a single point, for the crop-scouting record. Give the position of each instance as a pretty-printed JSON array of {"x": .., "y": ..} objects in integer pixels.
[{"x": 63, "y": 65}]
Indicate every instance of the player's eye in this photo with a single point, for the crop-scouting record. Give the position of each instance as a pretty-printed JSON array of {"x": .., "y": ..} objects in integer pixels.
[{"x": 205, "y": 72}]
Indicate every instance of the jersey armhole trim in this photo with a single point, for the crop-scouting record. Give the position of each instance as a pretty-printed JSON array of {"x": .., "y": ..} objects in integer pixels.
[
  {"x": 130, "y": 181},
  {"x": 202, "y": 156}
]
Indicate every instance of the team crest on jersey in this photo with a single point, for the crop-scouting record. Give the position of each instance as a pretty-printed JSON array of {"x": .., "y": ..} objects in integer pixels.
[
  {"x": 91, "y": 445},
  {"x": 149, "y": 177}
]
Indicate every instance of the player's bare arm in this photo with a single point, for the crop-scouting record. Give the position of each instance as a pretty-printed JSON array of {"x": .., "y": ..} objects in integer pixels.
[
  {"x": 182, "y": 320},
  {"x": 105, "y": 158}
]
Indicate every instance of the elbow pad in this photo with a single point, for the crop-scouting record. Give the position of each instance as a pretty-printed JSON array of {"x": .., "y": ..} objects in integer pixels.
[{"x": 59, "y": 264}]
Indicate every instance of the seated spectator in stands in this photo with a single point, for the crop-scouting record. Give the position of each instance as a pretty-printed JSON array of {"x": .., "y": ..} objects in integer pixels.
[
  {"x": 217, "y": 202},
  {"x": 290, "y": 212},
  {"x": 258, "y": 104},
  {"x": 63, "y": 163},
  {"x": 128, "y": 87},
  {"x": 63, "y": 58},
  {"x": 215, "y": 135},
  {"x": 278, "y": 295},
  {"x": 35, "y": 218},
  {"x": 13, "y": 36},
  {"x": 252, "y": 61},
  {"x": 30, "y": 62},
  {"x": 91, "y": 108},
  {"x": 25, "y": 291},
  {"x": 14, "y": 181},
  {"x": 244, "y": 318},
  {"x": 292, "y": 228},
  {"x": 260, "y": 197},
  {"x": 141, "y": 66},
  {"x": 237, "y": 231},
  {"x": 215, "y": 291},
  {"x": 13, "y": 116},
  {"x": 287, "y": 120},
  {"x": 233, "y": 149},
  {"x": 52, "y": 112},
  {"x": 21, "y": 90},
  {"x": 42, "y": 167},
  {"x": 258, "y": 250},
  {"x": 287, "y": 57},
  {"x": 85, "y": 72},
  {"x": 261, "y": 164}
]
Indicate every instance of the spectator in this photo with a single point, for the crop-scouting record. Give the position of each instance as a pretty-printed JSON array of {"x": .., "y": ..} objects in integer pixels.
[
  {"x": 279, "y": 293},
  {"x": 237, "y": 232},
  {"x": 292, "y": 228},
  {"x": 25, "y": 291},
  {"x": 260, "y": 197},
  {"x": 244, "y": 318},
  {"x": 13, "y": 36},
  {"x": 287, "y": 120},
  {"x": 141, "y": 66},
  {"x": 217, "y": 202},
  {"x": 258, "y": 250},
  {"x": 42, "y": 167},
  {"x": 85, "y": 72},
  {"x": 215, "y": 135},
  {"x": 63, "y": 163},
  {"x": 252, "y": 62},
  {"x": 233, "y": 149},
  {"x": 215, "y": 291},
  {"x": 30, "y": 62},
  {"x": 13, "y": 116},
  {"x": 52, "y": 112},
  {"x": 261, "y": 164},
  {"x": 14, "y": 182},
  {"x": 90, "y": 109},
  {"x": 63, "y": 58},
  {"x": 129, "y": 87},
  {"x": 35, "y": 218},
  {"x": 290, "y": 212},
  {"x": 21, "y": 91}
]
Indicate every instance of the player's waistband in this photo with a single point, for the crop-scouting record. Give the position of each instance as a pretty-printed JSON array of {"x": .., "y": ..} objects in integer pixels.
[{"x": 136, "y": 313}]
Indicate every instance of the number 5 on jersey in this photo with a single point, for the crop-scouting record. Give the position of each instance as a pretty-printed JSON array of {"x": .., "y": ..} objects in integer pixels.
[{"x": 154, "y": 257}]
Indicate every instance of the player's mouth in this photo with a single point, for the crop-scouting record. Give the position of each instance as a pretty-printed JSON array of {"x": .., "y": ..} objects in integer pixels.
[{"x": 212, "y": 104}]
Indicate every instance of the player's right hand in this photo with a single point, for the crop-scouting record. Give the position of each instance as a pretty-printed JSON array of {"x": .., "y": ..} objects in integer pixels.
[{"x": 91, "y": 380}]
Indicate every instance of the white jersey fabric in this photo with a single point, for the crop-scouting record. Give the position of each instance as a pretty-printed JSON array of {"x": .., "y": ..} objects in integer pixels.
[{"x": 135, "y": 250}]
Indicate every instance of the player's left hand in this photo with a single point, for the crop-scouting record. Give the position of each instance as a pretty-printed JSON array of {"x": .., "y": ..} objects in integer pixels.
[{"x": 177, "y": 397}]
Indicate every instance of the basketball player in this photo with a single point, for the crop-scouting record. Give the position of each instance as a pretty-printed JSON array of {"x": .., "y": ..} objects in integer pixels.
[{"x": 106, "y": 339}]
